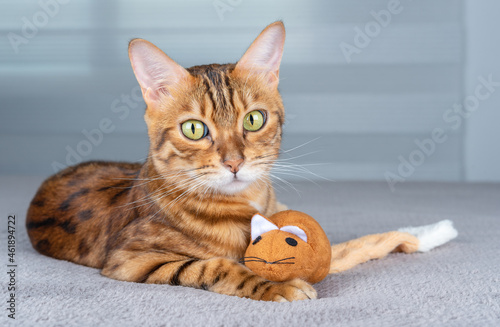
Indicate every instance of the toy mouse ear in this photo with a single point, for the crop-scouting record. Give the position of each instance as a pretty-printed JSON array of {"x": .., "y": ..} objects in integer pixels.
[
  {"x": 295, "y": 231},
  {"x": 261, "y": 225}
]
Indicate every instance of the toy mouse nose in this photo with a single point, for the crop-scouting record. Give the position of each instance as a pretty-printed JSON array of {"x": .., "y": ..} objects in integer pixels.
[{"x": 233, "y": 164}]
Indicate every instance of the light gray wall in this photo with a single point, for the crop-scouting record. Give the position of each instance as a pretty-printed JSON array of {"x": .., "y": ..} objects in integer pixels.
[
  {"x": 364, "y": 113},
  {"x": 482, "y": 156}
]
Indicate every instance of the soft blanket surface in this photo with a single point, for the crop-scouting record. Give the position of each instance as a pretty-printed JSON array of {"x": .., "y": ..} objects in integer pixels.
[{"x": 457, "y": 284}]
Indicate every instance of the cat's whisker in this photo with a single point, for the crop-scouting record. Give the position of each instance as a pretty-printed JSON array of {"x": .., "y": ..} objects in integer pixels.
[
  {"x": 138, "y": 178},
  {"x": 269, "y": 183},
  {"x": 178, "y": 187},
  {"x": 161, "y": 191},
  {"x": 167, "y": 207},
  {"x": 296, "y": 157},
  {"x": 286, "y": 166},
  {"x": 191, "y": 189},
  {"x": 280, "y": 152},
  {"x": 174, "y": 173},
  {"x": 301, "y": 145},
  {"x": 282, "y": 160},
  {"x": 306, "y": 164},
  {"x": 285, "y": 182},
  {"x": 136, "y": 185},
  {"x": 146, "y": 158},
  {"x": 155, "y": 179},
  {"x": 295, "y": 175},
  {"x": 300, "y": 168},
  {"x": 292, "y": 168},
  {"x": 266, "y": 155},
  {"x": 133, "y": 179},
  {"x": 150, "y": 197}
]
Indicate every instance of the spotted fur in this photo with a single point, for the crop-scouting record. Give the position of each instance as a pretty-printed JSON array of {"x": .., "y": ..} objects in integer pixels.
[{"x": 179, "y": 218}]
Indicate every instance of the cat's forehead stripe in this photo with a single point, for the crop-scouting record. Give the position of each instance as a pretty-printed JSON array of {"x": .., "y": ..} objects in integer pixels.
[
  {"x": 215, "y": 79},
  {"x": 223, "y": 112},
  {"x": 210, "y": 97},
  {"x": 217, "y": 84}
]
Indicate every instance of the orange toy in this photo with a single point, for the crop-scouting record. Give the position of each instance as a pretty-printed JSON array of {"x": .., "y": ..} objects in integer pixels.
[{"x": 291, "y": 244}]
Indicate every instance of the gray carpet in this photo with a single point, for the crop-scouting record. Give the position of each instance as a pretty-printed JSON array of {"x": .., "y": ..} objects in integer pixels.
[{"x": 454, "y": 285}]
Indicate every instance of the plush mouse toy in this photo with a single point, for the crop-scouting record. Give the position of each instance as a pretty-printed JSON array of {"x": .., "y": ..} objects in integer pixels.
[{"x": 291, "y": 244}]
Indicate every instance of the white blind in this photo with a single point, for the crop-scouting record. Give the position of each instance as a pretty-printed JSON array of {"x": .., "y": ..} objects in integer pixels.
[{"x": 68, "y": 76}]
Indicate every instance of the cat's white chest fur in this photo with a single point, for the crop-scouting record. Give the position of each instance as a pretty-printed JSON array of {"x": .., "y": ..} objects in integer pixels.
[{"x": 256, "y": 205}]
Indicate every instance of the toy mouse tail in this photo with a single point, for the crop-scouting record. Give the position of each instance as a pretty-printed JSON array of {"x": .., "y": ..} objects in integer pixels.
[
  {"x": 431, "y": 236},
  {"x": 408, "y": 240}
]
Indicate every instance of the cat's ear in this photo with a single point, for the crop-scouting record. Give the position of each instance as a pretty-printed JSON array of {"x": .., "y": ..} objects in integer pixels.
[
  {"x": 264, "y": 54},
  {"x": 154, "y": 70}
]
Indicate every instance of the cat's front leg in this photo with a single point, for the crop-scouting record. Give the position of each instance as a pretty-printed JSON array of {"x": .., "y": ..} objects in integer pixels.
[{"x": 220, "y": 275}]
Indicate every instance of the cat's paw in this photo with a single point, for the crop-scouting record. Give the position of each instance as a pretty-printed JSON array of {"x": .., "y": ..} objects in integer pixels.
[{"x": 293, "y": 290}]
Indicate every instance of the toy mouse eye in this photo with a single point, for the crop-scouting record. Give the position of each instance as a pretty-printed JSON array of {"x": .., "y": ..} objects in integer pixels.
[
  {"x": 291, "y": 241},
  {"x": 257, "y": 240}
]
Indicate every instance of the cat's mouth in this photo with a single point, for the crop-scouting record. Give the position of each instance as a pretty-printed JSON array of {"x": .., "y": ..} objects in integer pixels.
[
  {"x": 236, "y": 179},
  {"x": 227, "y": 182},
  {"x": 232, "y": 183}
]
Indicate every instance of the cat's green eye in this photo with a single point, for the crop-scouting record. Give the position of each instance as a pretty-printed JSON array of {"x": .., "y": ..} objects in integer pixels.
[
  {"x": 254, "y": 121},
  {"x": 194, "y": 129}
]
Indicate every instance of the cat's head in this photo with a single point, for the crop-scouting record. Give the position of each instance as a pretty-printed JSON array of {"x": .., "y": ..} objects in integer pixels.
[{"x": 217, "y": 127}]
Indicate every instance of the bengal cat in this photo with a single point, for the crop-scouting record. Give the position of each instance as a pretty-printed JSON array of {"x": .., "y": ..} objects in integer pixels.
[{"x": 182, "y": 217}]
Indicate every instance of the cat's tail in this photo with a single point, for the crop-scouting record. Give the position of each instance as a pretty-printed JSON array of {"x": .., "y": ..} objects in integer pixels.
[{"x": 408, "y": 240}]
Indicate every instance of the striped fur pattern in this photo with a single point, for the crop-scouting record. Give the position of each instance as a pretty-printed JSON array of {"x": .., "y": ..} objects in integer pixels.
[{"x": 182, "y": 217}]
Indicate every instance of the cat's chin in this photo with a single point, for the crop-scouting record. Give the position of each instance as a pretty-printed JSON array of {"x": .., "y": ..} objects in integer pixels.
[{"x": 233, "y": 187}]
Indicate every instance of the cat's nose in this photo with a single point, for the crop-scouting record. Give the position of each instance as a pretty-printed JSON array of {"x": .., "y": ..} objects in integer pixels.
[{"x": 233, "y": 165}]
